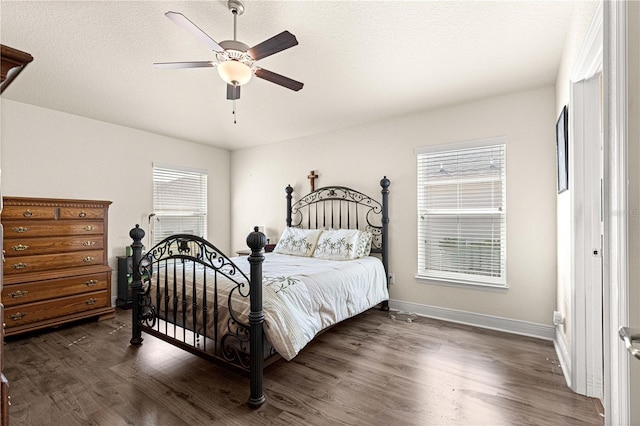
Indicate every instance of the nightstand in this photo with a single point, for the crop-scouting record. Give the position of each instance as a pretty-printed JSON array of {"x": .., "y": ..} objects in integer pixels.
[
  {"x": 267, "y": 249},
  {"x": 125, "y": 297}
]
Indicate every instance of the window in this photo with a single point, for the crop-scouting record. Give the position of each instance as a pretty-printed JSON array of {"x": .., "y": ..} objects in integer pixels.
[
  {"x": 179, "y": 202},
  {"x": 462, "y": 213}
]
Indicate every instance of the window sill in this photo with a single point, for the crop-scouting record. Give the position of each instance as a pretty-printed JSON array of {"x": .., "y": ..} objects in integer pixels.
[{"x": 462, "y": 284}]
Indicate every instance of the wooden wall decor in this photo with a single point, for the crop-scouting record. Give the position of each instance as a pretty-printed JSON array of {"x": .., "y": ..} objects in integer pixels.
[{"x": 12, "y": 62}]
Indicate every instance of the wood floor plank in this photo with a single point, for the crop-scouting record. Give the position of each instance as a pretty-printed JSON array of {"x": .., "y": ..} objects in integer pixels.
[{"x": 371, "y": 369}]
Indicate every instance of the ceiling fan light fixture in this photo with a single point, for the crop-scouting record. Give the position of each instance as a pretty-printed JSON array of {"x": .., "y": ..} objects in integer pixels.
[{"x": 234, "y": 72}]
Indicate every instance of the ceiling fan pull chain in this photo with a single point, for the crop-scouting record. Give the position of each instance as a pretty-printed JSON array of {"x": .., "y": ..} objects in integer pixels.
[{"x": 234, "y": 112}]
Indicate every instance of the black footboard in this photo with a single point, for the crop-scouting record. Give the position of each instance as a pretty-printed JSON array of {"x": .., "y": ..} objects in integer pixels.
[{"x": 190, "y": 294}]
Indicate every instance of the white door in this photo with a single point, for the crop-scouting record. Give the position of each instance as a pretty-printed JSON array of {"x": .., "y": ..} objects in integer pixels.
[{"x": 587, "y": 229}]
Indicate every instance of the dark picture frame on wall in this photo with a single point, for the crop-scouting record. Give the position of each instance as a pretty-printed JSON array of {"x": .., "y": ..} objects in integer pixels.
[{"x": 562, "y": 141}]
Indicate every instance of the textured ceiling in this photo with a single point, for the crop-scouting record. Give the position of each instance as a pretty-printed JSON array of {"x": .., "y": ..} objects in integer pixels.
[{"x": 360, "y": 61}]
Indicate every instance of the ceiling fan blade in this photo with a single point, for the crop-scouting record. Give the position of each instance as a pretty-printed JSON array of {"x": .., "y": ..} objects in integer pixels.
[
  {"x": 233, "y": 92},
  {"x": 275, "y": 44},
  {"x": 278, "y": 79},
  {"x": 180, "y": 65},
  {"x": 193, "y": 29}
]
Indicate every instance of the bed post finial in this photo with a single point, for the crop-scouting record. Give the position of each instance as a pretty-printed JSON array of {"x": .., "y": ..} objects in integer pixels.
[
  {"x": 136, "y": 234},
  {"x": 385, "y": 183},
  {"x": 256, "y": 242},
  {"x": 289, "y": 191}
]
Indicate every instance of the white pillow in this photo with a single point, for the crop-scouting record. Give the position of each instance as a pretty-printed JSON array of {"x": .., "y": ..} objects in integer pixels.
[
  {"x": 343, "y": 244},
  {"x": 298, "y": 242}
]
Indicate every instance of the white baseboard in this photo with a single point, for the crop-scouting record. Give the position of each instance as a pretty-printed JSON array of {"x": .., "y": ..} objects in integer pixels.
[
  {"x": 593, "y": 385},
  {"x": 563, "y": 356},
  {"x": 524, "y": 328}
]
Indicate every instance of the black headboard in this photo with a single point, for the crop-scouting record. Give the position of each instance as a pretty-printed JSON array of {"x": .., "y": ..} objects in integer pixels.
[{"x": 339, "y": 207}]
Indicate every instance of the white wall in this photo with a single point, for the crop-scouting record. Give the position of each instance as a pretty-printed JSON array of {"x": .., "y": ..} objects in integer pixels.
[
  {"x": 48, "y": 153},
  {"x": 360, "y": 156}
]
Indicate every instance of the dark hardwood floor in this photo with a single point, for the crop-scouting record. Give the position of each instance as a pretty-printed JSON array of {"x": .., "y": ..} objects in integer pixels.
[{"x": 369, "y": 370}]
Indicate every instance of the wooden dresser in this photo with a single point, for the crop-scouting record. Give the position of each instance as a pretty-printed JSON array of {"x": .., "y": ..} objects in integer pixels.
[{"x": 56, "y": 267}]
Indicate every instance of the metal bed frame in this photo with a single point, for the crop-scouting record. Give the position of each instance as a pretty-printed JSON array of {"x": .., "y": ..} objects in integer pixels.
[{"x": 242, "y": 346}]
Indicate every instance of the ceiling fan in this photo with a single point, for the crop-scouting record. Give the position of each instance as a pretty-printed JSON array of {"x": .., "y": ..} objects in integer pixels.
[{"x": 235, "y": 60}]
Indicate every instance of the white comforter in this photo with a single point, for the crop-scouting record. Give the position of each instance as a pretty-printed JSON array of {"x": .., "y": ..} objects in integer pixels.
[{"x": 303, "y": 295}]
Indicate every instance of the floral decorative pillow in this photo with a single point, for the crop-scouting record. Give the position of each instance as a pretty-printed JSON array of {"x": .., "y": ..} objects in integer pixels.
[
  {"x": 343, "y": 244},
  {"x": 363, "y": 248},
  {"x": 298, "y": 242}
]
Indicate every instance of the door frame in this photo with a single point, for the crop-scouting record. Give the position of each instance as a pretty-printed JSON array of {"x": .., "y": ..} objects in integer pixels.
[{"x": 615, "y": 265}]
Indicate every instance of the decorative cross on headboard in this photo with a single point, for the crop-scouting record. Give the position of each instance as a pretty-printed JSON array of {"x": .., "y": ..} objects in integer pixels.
[{"x": 312, "y": 177}]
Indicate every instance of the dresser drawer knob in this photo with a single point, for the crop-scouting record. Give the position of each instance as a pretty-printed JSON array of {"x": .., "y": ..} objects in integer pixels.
[
  {"x": 91, "y": 301},
  {"x": 88, "y": 259},
  {"x": 20, "y": 229},
  {"x": 20, "y": 247},
  {"x": 18, "y": 316},
  {"x": 91, "y": 283},
  {"x": 19, "y": 265},
  {"x": 82, "y": 214},
  {"x": 18, "y": 294},
  {"x": 88, "y": 243},
  {"x": 27, "y": 213},
  {"x": 89, "y": 228}
]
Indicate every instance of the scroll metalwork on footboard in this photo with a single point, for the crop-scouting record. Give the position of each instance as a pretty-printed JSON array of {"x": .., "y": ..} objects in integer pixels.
[{"x": 189, "y": 293}]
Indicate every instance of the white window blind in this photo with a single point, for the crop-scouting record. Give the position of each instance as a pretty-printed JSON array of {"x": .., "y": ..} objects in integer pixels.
[
  {"x": 179, "y": 202},
  {"x": 462, "y": 213}
]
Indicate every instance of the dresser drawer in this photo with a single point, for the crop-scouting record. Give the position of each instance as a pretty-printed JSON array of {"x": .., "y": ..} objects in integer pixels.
[
  {"x": 40, "y": 311},
  {"x": 47, "y": 262},
  {"x": 28, "y": 229},
  {"x": 18, "y": 294},
  {"x": 81, "y": 213},
  {"x": 28, "y": 212},
  {"x": 42, "y": 245}
]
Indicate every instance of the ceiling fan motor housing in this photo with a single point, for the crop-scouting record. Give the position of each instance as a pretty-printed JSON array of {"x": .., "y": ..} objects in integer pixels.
[{"x": 235, "y": 50}]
